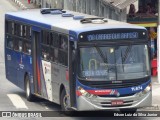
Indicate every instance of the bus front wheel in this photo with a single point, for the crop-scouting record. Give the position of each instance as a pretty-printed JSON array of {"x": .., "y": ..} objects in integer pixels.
[
  {"x": 29, "y": 95},
  {"x": 65, "y": 103}
]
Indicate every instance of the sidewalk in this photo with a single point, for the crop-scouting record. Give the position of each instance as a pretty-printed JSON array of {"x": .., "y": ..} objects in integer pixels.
[
  {"x": 23, "y": 4},
  {"x": 155, "y": 92},
  {"x": 155, "y": 96}
]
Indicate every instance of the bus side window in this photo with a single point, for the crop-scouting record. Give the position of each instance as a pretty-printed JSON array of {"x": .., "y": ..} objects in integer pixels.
[
  {"x": 54, "y": 55},
  {"x": 24, "y": 31},
  {"x": 28, "y": 32},
  {"x": 27, "y": 48},
  {"x": 17, "y": 29},
  {"x": 64, "y": 42},
  {"x": 45, "y": 53},
  {"x": 63, "y": 51},
  {"x": 17, "y": 45},
  {"x": 46, "y": 37},
  {"x": 54, "y": 39},
  {"x": 9, "y": 42},
  {"x": 21, "y": 30},
  {"x": 9, "y": 27}
]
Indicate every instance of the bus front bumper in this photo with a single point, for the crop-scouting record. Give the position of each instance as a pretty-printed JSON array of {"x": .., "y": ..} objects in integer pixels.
[{"x": 137, "y": 100}]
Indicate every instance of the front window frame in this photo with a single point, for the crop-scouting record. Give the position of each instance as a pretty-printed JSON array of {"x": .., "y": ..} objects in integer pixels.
[{"x": 108, "y": 44}]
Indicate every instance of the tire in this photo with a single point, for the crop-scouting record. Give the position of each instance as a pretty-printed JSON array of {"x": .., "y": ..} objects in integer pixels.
[
  {"x": 131, "y": 110},
  {"x": 29, "y": 95},
  {"x": 64, "y": 101}
]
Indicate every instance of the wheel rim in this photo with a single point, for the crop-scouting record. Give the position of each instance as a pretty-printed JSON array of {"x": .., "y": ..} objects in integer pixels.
[
  {"x": 27, "y": 89},
  {"x": 66, "y": 102}
]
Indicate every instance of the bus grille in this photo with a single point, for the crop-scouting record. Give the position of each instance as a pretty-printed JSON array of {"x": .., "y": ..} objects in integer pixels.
[{"x": 109, "y": 103}]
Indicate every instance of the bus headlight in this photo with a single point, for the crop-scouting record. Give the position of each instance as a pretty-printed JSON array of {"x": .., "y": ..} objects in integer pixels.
[
  {"x": 85, "y": 93},
  {"x": 147, "y": 89}
]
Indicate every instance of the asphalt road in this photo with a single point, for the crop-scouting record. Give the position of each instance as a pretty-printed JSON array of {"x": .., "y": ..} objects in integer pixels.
[{"x": 13, "y": 99}]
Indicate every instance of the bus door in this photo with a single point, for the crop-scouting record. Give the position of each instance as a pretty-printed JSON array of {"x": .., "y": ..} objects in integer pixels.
[
  {"x": 72, "y": 69},
  {"x": 36, "y": 60}
]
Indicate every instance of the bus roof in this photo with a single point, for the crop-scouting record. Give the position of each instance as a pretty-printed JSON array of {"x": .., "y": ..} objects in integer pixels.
[{"x": 64, "y": 24}]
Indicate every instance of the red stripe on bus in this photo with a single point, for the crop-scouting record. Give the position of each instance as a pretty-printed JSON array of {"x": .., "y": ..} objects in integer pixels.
[
  {"x": 99, "y": 92},
  {"x": 38, "y": 77},
  {"x": 78, "y": 93},
  {"x": 67, "y": 75}
]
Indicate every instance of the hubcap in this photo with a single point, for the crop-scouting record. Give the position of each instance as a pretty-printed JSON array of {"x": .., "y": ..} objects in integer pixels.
[{"x": 66, "y": 102}]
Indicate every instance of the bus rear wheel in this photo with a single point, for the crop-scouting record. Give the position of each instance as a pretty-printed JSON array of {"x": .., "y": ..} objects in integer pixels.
[{"x": 29, "y": 95}]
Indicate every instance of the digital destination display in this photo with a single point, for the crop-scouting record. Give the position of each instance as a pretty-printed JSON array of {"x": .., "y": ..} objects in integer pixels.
[
  {"x": 113, "y": 36},
  {"x": 123, "y": 34}
]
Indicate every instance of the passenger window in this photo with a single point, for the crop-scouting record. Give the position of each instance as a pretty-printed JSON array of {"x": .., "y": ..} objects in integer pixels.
[
  {"x": 9, "y": 42},
  {"x": 21, "y": 30},
  {"x": 17, "y": 29},
  {"x": 10, "y": 27},
  {"x": 45, "y": 53},
  {"x": 17, "y": 44},
  {"x": 24, "y": 31},
  {"x": 64, "y": 42},
  {"x": 27, "y": 47},
  {"x": 54, "y": 55},
  {"x": 55, "y": 40},
  {"x": 28, "y": 32},
  {"x": 46, "y": 37}
]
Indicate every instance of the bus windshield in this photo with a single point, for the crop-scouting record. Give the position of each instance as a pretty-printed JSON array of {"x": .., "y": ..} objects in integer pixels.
[{"x": 114, "y": 63}]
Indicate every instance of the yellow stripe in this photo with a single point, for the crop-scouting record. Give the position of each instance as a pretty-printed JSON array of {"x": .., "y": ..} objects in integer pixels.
[{"x": 148, "y": 24}]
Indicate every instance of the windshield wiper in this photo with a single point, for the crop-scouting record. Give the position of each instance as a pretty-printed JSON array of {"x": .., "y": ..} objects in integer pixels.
[
  {"x": 128, "y": 49},
  {"x": 101, "y": 54},
  {"x": 122, "y": 60},
  {"x": 105, "y": 59}
]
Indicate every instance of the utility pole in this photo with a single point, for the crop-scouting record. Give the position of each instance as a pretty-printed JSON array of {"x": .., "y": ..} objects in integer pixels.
[{"x": 158, "y": 42}]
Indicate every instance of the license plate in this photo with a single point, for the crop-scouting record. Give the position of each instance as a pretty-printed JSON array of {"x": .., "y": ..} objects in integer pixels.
[{"x": 117, "y": 102}]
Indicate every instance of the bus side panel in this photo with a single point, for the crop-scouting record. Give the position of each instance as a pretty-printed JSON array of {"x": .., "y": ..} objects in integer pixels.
[
  {"x": 25, "y": 67},
  {"x": 53, "y": 76},
  {"x": 58, "y": 79},
  {"x": 10, "y": 66},
  {"x": 19, "y": 67}
]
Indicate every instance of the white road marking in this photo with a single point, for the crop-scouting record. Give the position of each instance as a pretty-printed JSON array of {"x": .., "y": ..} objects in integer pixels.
[{"x": 17, "y": 101}]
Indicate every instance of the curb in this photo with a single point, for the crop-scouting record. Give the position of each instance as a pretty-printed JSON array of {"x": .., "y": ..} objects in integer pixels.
[{"x": 21, "y": 5}]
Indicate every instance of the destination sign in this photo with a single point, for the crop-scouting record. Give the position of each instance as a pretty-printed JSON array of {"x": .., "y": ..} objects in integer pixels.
[
  {"x": 113, "y": 36},
  {"x": 120, "y": 34}
]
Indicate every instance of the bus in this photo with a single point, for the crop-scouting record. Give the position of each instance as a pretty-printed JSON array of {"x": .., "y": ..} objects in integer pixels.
[{"x": 79, "y": 61}]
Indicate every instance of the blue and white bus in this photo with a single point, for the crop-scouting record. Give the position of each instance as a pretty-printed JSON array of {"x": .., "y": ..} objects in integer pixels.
[{"x": 79, "y": 61}]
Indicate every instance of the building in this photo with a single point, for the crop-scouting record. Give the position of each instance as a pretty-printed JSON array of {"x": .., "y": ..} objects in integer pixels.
[{"x": 113, "y": 9}]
